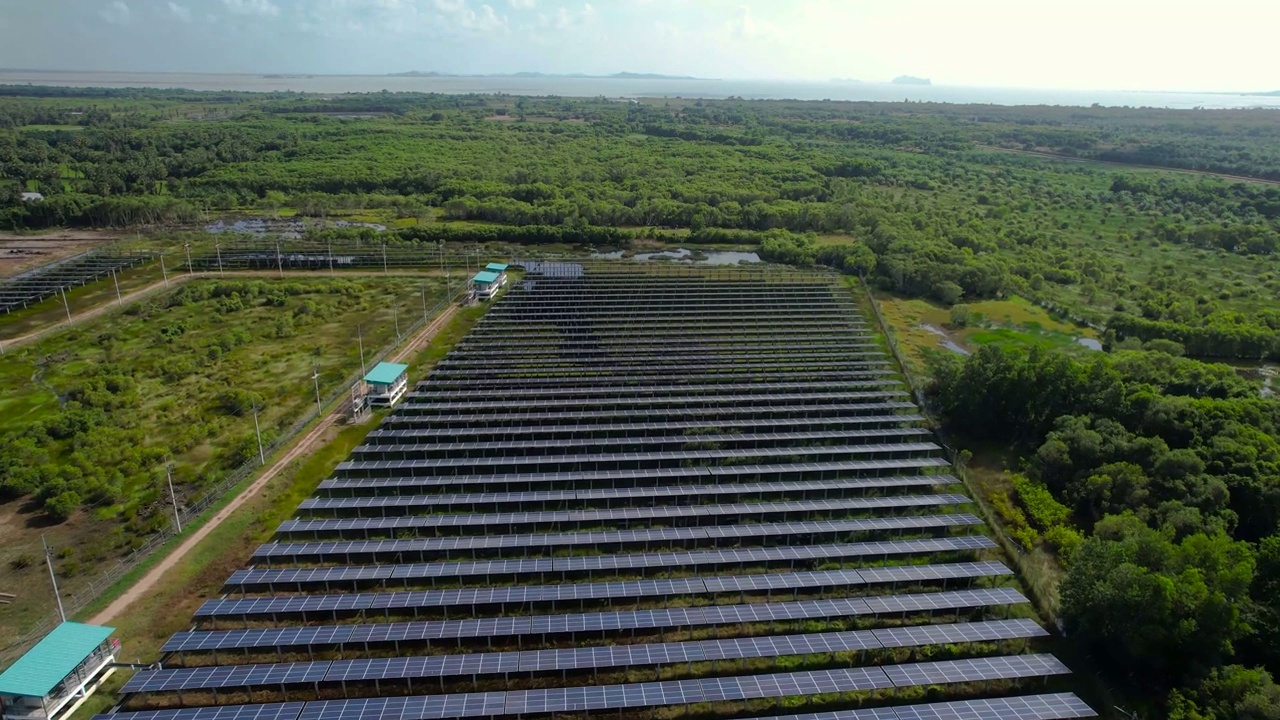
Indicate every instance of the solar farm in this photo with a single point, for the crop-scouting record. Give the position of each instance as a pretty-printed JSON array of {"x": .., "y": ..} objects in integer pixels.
[
  {"x": 652, "y": 493},
  {"x": 49, "y": 280}
]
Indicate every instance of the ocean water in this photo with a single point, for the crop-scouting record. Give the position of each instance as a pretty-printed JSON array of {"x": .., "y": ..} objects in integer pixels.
[{"x": 638, "y": 88}]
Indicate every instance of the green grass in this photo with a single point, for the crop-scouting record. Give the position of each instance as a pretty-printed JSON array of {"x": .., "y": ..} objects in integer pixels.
[
  {"x": 170, "y": 404},
  {"x": 167, "y": 609}
]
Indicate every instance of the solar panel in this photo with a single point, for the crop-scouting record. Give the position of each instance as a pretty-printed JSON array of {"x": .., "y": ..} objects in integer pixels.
[
  {"x": 501, "y": 663},
  {"x": 253, "y": 606},
  {"x": 611, "y": 537},
  {"x": 1058, "y": 706},
  {"x": 582, "y": 563},
  {"x": 676, "y": 692},
  {"x": 594, "y": 622},
  {"x": 603, "y": 515}
]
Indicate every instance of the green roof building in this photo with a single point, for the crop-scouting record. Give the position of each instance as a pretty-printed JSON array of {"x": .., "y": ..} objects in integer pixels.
[
  {"x": 486, "y": 283},
  {"x": 496, "y": 267},
  {"x": 387, "y": 382},
  {"x": 56, "y": 675}
]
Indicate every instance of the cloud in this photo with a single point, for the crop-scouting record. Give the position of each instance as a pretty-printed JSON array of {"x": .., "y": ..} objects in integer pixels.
[
  {"x": 483, "y": 20},
  {"x": 117, "y": 13},
  {"x": 263, "y": 8},
  {"x": 181, "y": 12},
  {"x": 522, "y": 4}
]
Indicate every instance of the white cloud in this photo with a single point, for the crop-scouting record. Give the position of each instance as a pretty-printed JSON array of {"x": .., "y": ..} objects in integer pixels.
[
  {"x": 264, "y": 8},
  {"x": 117, "y": 13},
  {"x": 483, "y": 20},
  {"x": 522, "y": 4},
  {"x": 179, "y": 11}
]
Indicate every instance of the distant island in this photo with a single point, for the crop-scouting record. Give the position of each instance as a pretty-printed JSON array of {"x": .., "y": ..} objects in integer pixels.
[
  {"x": 528, "y": 74},
  {"x": 910, "y": 80}
]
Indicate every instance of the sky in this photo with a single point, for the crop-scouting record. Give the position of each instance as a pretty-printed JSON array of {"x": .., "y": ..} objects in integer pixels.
[{"x": 1221, "y": 45}]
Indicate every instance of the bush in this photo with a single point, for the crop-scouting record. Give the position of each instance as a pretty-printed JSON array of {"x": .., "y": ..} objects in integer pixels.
[
  {"x": 62, "y": 506},
  {"x": 960, "y": 316}
]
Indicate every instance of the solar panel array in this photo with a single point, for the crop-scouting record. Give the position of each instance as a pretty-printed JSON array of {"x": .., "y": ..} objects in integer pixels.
[
  {"x": 52, "y": 279},
  {"x": 627, "y": 491}
]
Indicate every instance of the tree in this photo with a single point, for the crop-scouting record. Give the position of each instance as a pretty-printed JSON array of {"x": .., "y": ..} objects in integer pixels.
[{"x": 1161, "y": 610}]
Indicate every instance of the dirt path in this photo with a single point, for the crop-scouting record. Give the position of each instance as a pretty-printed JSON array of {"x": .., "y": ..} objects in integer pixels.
[
  {"x": 159, "y": 285},
  {"x": 309, "y": 442}
]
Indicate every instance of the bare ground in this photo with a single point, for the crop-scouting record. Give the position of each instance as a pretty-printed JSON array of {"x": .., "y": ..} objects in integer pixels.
[{"x": 19, "y": 253}]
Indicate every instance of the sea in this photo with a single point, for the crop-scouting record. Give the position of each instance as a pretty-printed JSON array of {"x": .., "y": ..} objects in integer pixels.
[{"x": 641, "y": 88}]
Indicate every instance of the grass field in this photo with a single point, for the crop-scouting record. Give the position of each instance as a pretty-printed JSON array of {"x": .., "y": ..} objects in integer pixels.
[
  {"x": 96, "y": 410},
  {"x": 924, "y": 328}
]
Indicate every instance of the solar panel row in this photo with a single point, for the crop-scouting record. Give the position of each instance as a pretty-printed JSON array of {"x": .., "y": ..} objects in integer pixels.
[
  {"x": 601, "y": 657},
  {"x": 616, "y": 562},
  {"x": 520, "y": 594},
  {"x": 656, "y": 694},
  {"x": 689, "y": 535},
  {"x": 540, "y": 625}
]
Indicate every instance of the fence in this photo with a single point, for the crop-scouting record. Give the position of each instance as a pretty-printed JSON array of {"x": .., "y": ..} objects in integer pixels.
[
  {"x": 87, "y": 594},
  {"x": 1012, "y": 550}
]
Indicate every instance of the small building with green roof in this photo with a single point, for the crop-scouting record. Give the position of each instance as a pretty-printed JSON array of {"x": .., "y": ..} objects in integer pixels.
[
  {"x": 387, "y": 383},
  {"x": 486, "y": 284},
  {"x": 55, "y": 676},
  {"x": 495, "y": 267}
]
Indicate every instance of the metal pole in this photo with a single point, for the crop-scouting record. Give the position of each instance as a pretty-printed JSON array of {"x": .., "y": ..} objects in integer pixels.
[
  {"x": 360, "y": 341},
  {"x": 163, "y": 271},
  {"x": 262, "y": 456},
  {"x": 65, "y": 304},
  {"x": 177, "y": 519},
  {"x": 279, "y": 259},
  {"x": 384, "y": 257},
  {"x": 187, "y": 247},
  {"x": 48, "y": 558},
  {"x": 315, "y": 377},
  {"x": 217, "y": 247},
  {"x": 424, "y": 303},
  {"x": 395, "y": 318},
  {"x": 330, "y": 259},
  {"x": 116, "y": 280}
]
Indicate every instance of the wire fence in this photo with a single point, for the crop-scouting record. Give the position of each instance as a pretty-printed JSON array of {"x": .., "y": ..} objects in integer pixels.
[
  {"x": 1012, "y": 549},
  {"x": 89, "y": 592}
]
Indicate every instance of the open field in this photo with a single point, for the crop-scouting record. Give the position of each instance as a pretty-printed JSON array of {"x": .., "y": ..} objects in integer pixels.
[
  {"x": 90, "y": 414},
  {"x": 923, "y": 327}
]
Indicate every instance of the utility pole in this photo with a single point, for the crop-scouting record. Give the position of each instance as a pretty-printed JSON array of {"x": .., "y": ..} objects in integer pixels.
[
  {"x": 163, "y": 272},
  {"x": 217, "y": 247},
  {"x": 187, "y": 247},
  {"x": 279, "y": 259},
  {"x": 115, "y": 279},
  {"x": 168, "y": 474},
  {"x": 384, "y": 257},
  {"x": 424, "y": 303},
  {"x": 65, "y": 304},
  {"x": 395, "y": 318},
  {"x": 315, "y": 377},
  {"x": 360, "y": 341},
  {"x": 262, "y": 456},
  {"x": 330, "y": 259},
  {"x": 48, "y": 558}
]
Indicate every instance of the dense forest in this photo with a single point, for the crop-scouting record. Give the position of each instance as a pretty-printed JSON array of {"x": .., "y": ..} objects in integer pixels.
[
  {"x": 923, "y": 199},
  {"x": 1156, "y": 479}
]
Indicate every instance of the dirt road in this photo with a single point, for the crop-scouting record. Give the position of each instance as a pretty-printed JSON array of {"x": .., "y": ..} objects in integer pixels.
[{"x": 309, "y": 442}]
